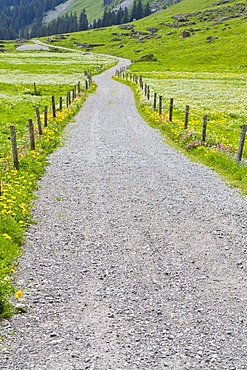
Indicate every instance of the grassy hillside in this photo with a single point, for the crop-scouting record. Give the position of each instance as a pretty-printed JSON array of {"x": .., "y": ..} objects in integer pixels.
[{"x": 216, "y": 41}]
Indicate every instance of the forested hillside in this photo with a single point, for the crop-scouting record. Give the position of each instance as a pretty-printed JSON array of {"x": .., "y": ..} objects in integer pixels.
[
  {"x": 27, "y": 19},
  {"x": 15, "y": 15}
]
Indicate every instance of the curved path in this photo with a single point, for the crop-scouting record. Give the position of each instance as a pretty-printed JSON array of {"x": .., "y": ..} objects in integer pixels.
[{"x": 138, "y": 257}]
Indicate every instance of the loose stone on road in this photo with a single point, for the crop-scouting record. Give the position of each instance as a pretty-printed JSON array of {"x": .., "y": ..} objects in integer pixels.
[{"x": 137, "y": 260}]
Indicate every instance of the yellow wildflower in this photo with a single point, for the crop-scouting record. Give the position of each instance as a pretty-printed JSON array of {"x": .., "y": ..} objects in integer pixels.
[
  {"x": 6, "y": 236},
  {"x": 18, "y": 294}
]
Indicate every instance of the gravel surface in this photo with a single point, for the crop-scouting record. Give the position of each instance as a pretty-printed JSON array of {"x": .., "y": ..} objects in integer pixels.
[{"x": 138, "y": 257}]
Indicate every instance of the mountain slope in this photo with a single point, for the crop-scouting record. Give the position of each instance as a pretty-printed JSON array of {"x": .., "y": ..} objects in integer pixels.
[{"x": 203, "y": 36}]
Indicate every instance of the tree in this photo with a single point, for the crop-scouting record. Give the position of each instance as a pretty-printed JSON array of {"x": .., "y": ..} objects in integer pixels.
[
  {"x": 133, "y": 11},
  {"x": 120, "y": 15},
  {"x": 139, "y": 10},
  {"x": 147, "y": 10},
  {"x": 125, "y": 17},
  {"x": 83, "y": 22}
]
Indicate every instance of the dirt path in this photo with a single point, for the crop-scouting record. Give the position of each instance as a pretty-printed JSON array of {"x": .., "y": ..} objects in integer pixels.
[{"x": 138, "y": 257}]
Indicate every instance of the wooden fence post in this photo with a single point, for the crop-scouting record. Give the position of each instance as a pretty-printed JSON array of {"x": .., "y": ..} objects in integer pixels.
[
  {"x": 14, "y": 147},
  {"x": 60, "y": 103},
  {"x": 148, "y": 92},
  {"x": 155, "y": 100},
  {"x": 79, "y": 87},
  {"x": 69, "y": 97},
  {"x": 186, "y": 117},
  {"x": 160, "y": 105},
  {"x": 145, "y": 89},
  {"x": 171, "y": 110},
  {"x": 45, "y": 116},
  {"x": 31, "y": 134},
  {"x": 204, "y": 128},
  {"x": 86, "y": 84},
  {"x": 140, "y": 81},
  {"x": 39, "y": 121},
  {"x": 241, "y": 142},
  {"x": 53, "y": 107}
]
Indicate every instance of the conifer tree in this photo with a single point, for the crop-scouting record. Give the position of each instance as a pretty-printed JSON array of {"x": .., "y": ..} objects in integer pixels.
[
  {"x": 83, "y": 22},
  {"x": 147, "y": 10},
  {"x": 133, "y": 11},
  {"x": 139, "y": 10}
]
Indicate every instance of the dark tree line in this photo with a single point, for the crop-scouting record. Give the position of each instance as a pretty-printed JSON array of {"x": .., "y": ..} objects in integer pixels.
[
  {"x": 72, "y": 23},
  {"x": 16, "y": 15},
  {"x": 68, "y": 23},
  {"x": 112, "y": 17}
]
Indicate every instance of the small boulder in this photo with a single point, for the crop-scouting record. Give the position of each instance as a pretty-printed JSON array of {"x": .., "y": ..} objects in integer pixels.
[
  {"x": 185, "y": 34},
  {"x": 126, "y": 26},
  {"x": 147, "y": 58},
  {"x": 152, "y": 29}
]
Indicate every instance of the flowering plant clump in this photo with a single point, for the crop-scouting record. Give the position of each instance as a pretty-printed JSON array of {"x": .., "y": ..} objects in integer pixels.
[
  {"x": 225, "y": 149},
  {"x": 194, "y": 144}
]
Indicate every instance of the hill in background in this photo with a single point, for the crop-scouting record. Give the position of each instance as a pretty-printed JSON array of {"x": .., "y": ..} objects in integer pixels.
[
  {"x": 202, "y": 35},
  {"x": 36, "y": 18}
]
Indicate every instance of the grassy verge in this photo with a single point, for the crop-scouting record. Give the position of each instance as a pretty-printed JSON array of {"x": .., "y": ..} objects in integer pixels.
[{"x": 212, "y": 153}]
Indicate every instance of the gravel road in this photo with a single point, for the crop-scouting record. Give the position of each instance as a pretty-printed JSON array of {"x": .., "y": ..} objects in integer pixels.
[{"x": 137, "y": 260}]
